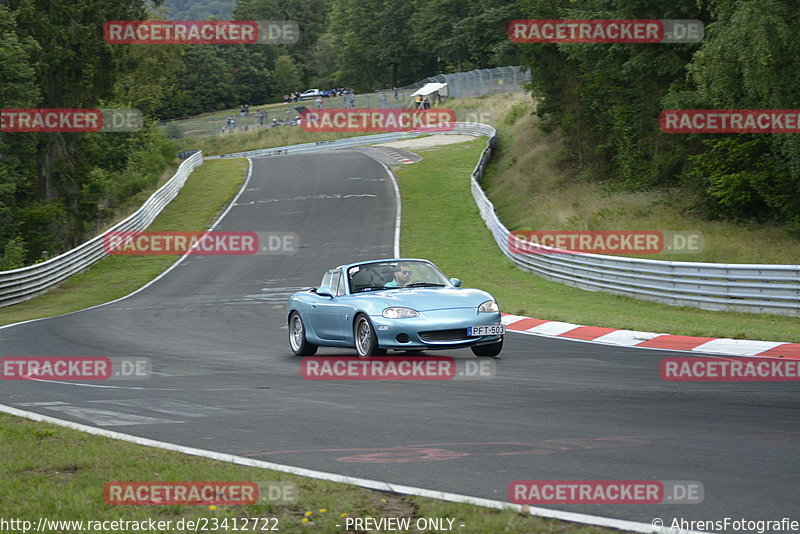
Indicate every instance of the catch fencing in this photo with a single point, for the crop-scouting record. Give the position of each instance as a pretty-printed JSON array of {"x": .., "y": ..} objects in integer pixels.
[
  {"x": 460, "y": 85},
  {"x": 466, "y": 84}
]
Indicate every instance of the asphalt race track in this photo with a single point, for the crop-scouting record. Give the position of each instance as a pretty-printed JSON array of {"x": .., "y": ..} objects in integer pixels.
[{"x": 226, "y": 380}]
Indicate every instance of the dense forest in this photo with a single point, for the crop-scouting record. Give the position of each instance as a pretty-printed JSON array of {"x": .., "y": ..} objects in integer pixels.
[
  {"x": 58, "y": 189},
  {"x": 606, "y": 98}
]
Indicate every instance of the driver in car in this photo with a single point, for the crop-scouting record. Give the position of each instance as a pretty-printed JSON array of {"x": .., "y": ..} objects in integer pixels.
[{"x": 401, "y": 277}]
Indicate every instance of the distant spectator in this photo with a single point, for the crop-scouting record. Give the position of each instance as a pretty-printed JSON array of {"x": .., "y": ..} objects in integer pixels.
[{"x": 319, "y": 102}]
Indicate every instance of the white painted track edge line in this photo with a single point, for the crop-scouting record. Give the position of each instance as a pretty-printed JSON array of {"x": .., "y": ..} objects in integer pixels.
[
  {"x": 619, "y": 524},
  {"x": 398, "y": 215},
  {"x": 157, "y": 278}
]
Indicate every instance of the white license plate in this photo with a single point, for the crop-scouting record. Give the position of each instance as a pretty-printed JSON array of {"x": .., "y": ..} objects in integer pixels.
[{"x": 492, "y": 330}]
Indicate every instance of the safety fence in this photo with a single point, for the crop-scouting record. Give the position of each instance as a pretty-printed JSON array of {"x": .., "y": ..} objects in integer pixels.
[
  {"x": 459, "y": 85},
  {"x": 21, "y": 284},
  {"x": 466, "y": 84}
]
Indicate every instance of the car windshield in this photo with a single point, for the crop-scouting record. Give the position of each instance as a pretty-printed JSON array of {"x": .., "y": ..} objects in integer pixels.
[{"x": 394, "y": 275}]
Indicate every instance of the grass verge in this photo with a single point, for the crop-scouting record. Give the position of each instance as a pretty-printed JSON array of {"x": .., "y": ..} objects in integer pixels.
[
  {"x": 441, "y": 223},
  {"x": 206, "y": 193},
  {"x": 59, "y": 474}
]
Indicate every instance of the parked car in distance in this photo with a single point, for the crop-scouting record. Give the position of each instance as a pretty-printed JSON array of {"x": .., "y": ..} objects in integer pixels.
[{"x": 310, "y": 94}]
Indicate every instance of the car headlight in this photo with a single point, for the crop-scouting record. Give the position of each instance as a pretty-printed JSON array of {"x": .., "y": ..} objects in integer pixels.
[
  {"x": 489, "y": 306},
  {"x": 396, "y": 312}
]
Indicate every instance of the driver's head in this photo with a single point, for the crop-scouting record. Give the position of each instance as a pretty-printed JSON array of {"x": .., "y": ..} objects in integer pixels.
[{"x": 403, "y": 273}]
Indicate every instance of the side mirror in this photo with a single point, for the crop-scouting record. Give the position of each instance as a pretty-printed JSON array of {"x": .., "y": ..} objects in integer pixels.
[
  {"x": 324, "y": 292},
  {"x": 456, "y": 282}
]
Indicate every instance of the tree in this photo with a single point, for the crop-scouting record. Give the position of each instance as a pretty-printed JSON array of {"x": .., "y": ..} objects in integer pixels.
[
  {"x": 208, "y": 82},
  {"x": 373, "y": 45},
  {"x": 285, "y": 76},
  {"x": 749, "y": 62},
  {"x": 323, "y": 62},
  {"x": 19, "y": 89},
  {"x": 75, "y": 68},
  {"x": 311, "y": 17}
]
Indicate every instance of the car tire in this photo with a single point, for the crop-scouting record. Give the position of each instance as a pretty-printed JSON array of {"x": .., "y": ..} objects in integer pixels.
[
  {"x": 492, "y": 350},
  {"x": 297, "y": 337},
  {"x": 365, "y": 339}
]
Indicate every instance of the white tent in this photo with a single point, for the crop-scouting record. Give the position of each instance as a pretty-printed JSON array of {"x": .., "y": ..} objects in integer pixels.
[{"x": 429, "y": 88}]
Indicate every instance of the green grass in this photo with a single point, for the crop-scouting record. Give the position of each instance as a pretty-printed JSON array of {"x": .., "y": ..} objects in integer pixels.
[
  {"x": 206, "y": 193},
  {"x": 441, "y": 223},
  {"x": 58, "y": 473}
]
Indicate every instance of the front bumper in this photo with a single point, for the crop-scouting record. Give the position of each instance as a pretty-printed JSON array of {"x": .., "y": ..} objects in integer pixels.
[{"x": 438, "y": 329}]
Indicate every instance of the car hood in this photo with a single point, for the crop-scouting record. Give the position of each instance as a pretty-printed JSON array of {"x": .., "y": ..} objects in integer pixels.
[{"x": 434, "y": 298}]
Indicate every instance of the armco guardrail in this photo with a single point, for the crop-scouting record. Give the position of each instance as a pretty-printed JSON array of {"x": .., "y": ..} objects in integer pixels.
[
  {"x": 754, "y": 288},
  {"x": 22, "y": 284}
]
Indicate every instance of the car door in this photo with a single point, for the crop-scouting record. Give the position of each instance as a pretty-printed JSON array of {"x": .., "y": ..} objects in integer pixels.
[{"x": 327, "y": 312}]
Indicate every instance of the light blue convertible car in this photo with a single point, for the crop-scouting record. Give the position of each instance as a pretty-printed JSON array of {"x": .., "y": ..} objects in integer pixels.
[{"x": 397, "y": 304}]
